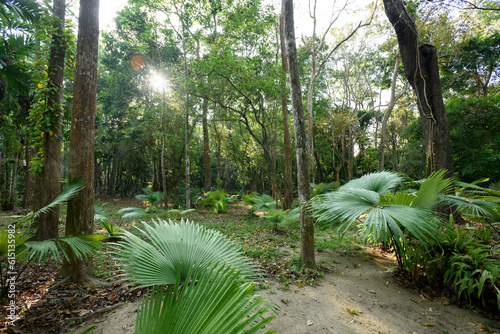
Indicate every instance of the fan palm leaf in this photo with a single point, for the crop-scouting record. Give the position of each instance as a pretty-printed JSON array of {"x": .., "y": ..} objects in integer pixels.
[
  {"x": 388, "y": 216},
  {"x": 131, "y": 213},
  {"x": 166, "y": 245},
  {"x": 215, "y": 300},
  {"x": 81, "y": 246},
  {"x": 380, "y": 182}
]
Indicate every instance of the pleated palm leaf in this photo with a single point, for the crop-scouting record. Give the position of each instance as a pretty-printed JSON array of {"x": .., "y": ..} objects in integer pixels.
[
  {"x": 384, "y": 216},
  {"x": 155, "y": 258},
  {"x": 215, "y": 300}
]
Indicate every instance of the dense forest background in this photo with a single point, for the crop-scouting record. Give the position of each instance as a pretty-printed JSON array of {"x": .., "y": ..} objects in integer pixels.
[{"x": 196, "y": 89}]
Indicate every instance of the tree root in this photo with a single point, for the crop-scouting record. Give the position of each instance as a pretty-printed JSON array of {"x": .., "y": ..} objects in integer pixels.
[{"x": 68, "y": 323}]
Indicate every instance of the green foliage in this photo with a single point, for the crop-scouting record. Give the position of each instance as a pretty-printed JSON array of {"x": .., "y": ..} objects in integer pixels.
[
  {"x": 43, "y": 116},
  {"x": 463, "y": 260},
  {"x": 156, "y": 260},
  {"x": 387, "y": 217},
  {"x": 476, "y": 63},
  {"x": 216, "y": 295},
  {"x": 216, "y": 199},
  {"x": 131, "y": 213},
  {"x": 322, "y": 188},
  {"x": 263, "y": 203},
  {"x": 214, "y": 300},
  {"x": 474, "y": 128},
  {"x": 81, "y": 245},
  {"x": 150, "y": 196},
  {"x": 275, "y": 216},
  {"x": 250, "y": 199}
]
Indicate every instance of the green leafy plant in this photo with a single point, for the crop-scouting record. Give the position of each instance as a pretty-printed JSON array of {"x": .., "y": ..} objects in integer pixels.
[
  {"x": 216, "y": 199},
  {"x": 387, "y": 217},
  {"x": 215, "y": 300},
  {"x": 216, "y": 294},
  {"x": 263, "y": 203},
  {"x": 251, "y": 198},
  {"x": 323, "y": 188},
  {"x": 275, "y": 216},
  {"x": 26, "y": 251},
  {"x": 463, "y": 261},
  {"x": 150, "y": 196}
]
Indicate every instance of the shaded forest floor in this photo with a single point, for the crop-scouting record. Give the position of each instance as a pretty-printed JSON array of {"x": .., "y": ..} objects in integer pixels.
[{"x": 350, "y": 291}]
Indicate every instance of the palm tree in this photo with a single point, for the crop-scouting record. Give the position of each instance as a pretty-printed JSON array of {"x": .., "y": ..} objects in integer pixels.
[
  {"x": 18, "y": 16},
  {"x": 208, "y": 277},
  {"x": 384, "y": 215}
]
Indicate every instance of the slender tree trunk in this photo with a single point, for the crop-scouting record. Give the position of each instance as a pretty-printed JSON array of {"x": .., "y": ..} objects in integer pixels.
[
  {"x": 306, "y": 224},
  {"x": 49, "y": 185},
  {"x": 80, "y": 217},
  {"x": 206, "y": 148},
  {"x": 29, "y": 179},
  {"x": 350, "y": 155},
  {"x": 390, "y": 107},
  {"x": 112, "y": 178},
  {"x": 162, "y": 156},
  {"x": 421, "y": 69},
  {"x": 288, "y": 181}
]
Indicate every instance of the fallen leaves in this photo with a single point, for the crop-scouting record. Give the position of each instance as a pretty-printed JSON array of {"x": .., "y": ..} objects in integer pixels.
[{"x": 309, "y": 322}]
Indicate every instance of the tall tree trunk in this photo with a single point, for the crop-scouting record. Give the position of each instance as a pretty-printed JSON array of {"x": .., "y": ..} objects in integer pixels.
[
  {"x": 112, "y": 178},
  {"x": 49, "y": 185},
  {"x": 306, "y": 224},
  {"x": 206, "y": 148},
  {"x": 288, "y": 181},
  {"x": 390, "y": 107},
  {"x": 421, "y": 69},
  {"x": 350, "y": 154},
  {"x": 29, "y": 179},
  {"x": 162, "y": 156},
  {"x": 80, "y": 217}
]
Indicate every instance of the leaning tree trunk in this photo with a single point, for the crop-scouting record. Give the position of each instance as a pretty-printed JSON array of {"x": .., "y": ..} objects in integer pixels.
[
  {"x": 80, "y": 217},
  {"x": 421, "y": 69},
  {"x": 306, "y": 224},
  {"x": 48, "y": 184}
]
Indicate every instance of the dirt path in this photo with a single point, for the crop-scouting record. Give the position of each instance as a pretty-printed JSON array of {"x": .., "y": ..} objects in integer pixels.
[{"x": 356, "y": 295}]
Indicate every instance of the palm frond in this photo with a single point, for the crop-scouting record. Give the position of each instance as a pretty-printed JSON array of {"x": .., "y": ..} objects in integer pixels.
[
  {"x": 81, "y": 245},
  {"x": 263, "y": 203},
  {"x": 431, "y": 189},
  {"x": 379, "y": 182},
  {"x": 215, "y": 300},
  {"x": 474, "y": 208},
  {"x": 70, "y": 190},
  {"x": 131, "y": 213},
  {"x": 154, "y": 261}
]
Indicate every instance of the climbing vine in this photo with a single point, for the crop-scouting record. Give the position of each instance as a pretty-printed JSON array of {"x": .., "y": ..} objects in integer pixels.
[{"x": 40, "y": 125}]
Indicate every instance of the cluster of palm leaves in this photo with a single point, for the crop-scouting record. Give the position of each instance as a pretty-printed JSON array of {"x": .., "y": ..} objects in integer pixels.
[
  {"x": 26, "y": 251},
  {"x": 209, "y": 280},
  {"x": 388, "y": 210}
]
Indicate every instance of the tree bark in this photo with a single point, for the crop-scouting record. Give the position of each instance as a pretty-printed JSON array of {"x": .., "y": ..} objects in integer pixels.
[
  {"x": 421, "y": 69},
  {"x": 288, "y": 181},
  {"x": 306, "y": 224},
  {"x": 388, "y": 112},
  {"x": 206, "y": 148},
  {"x": 48, "y": 184},
  {"x": 80, "y": 217}
]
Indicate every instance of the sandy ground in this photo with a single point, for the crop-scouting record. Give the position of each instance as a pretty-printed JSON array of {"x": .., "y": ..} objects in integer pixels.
[{"x": 354, "y": 284}]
